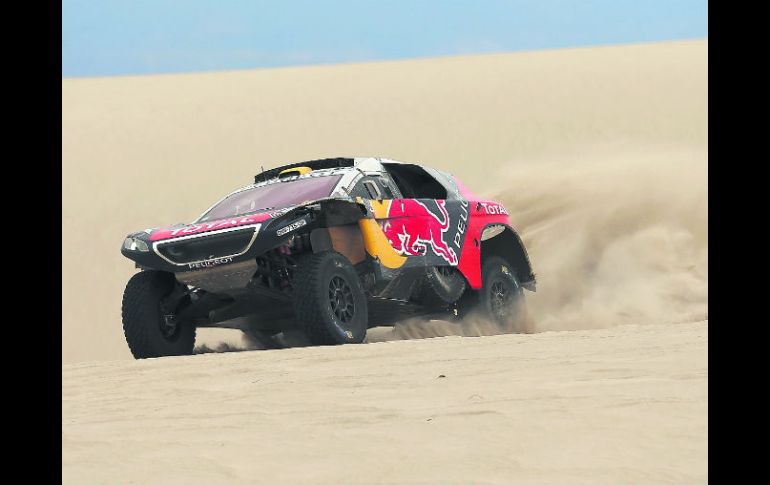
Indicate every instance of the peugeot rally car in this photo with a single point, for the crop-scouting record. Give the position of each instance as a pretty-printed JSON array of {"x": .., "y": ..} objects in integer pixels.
[{"x": 328, "y": 247}]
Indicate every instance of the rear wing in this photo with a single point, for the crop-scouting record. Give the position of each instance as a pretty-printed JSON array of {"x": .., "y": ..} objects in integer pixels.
[{"x": 313, "y": 164}]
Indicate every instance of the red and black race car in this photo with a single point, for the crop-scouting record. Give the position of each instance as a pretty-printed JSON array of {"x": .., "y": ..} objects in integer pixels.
[{"x": 328, "y": 247}]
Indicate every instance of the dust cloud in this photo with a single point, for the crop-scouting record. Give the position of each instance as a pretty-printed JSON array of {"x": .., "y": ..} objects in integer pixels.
[{"x": 615, "y": 236}]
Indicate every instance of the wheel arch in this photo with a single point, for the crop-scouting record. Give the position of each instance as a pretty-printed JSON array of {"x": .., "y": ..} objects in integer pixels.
[{"x": 502, "y": 240}]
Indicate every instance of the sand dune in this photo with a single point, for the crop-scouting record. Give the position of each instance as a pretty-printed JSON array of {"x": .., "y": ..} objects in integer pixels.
[
  {"x": 150, "y": 150},
  {"x": 600, "y": 155}
]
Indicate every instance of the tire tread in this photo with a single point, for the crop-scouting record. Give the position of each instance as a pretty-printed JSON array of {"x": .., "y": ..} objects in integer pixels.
[{"x": 138, "y": 311}]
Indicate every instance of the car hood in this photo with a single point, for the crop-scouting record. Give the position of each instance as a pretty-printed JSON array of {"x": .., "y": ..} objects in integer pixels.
[{"x": 179, "y": 230}]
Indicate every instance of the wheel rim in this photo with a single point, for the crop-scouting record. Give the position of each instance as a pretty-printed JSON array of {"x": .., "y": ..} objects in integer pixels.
[
  {"x": 168, "y": 322},
  {"x": 169, "y": 326},
  {"x": 341, "y": 300},
  {"x": 500, "y": 296}
]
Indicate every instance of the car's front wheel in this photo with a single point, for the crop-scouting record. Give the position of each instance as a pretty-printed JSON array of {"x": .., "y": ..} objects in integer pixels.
[
  {"x": 151, "y": 329},
  {"x": 329, "y": 300}
]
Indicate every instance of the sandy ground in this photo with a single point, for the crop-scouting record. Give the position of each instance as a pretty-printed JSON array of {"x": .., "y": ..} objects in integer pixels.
[
  {"x": 599, "y": 154},
  {"x": 621, "y": 405}
]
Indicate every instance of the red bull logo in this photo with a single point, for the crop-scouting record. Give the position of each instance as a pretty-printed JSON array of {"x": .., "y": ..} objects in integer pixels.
[{"x": 411, "y": 227}]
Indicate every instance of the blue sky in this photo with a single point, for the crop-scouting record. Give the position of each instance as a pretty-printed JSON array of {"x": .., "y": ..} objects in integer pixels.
[{"x": 118, "y": 37}]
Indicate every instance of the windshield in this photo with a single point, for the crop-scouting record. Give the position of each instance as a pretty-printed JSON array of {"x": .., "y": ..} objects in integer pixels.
[{"x": 273, "y": 196}]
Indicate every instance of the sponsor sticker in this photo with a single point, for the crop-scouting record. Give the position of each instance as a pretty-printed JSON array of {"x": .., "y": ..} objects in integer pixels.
[
  {"x": 210, "y": 263},
  {"x": 221, "y": 224},
  {"x": 493, "y": 208},
  {"x": 280, "y": 212},
  {"x": 291, "y": 227},
  {"x": 412, "y": 227}
]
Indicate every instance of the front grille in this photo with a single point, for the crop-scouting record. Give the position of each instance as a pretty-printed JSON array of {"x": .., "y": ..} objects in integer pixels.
[{"x": 206, "y": 247}]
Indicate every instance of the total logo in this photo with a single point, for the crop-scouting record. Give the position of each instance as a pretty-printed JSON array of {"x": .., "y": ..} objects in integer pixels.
[
  {"x": 492, "y": 208},
  {"x": 226, "y": 223}
]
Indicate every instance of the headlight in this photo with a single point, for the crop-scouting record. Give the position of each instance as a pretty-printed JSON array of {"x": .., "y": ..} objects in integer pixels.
[{"x": 134, "y": 244}]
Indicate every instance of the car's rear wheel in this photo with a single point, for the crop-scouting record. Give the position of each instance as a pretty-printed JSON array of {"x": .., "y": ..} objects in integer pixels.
[
  {"x": 151, "y": 329},
  {"x": 329, "y": 300},
  {"x": 439, "y": 287},
  {"x": 500, "y": 299}
]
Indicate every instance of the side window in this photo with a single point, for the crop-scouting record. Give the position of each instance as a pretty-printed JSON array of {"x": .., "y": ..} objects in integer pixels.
[
  {"x": 389, "y": 190},
  {"x": 359, "y": 190},
  {"x": 368, "y": 188},
  {"x": 415, "y": 183},
  {"x": 372, "y": 189}
]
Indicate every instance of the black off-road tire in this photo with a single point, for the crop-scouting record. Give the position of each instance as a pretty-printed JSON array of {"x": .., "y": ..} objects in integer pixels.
[
  {"x": 329, "y": 300},
  {"x": 507, "y": 311},
  {"x": 143, "y": 322},
  {"x": 439, "y": 287}
]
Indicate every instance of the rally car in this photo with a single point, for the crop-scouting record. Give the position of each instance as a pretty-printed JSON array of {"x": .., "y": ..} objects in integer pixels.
[{"x": 330, "y": 248}]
